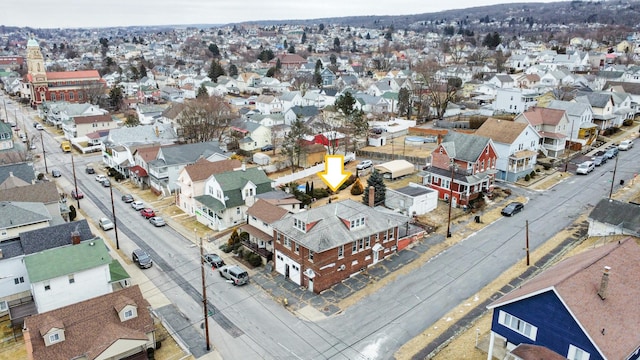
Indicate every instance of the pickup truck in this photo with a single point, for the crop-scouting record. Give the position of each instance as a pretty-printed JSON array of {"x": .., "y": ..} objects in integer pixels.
[{"x": 235, "y": 274}]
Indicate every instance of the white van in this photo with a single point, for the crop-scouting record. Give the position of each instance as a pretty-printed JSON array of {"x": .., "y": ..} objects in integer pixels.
[{"x": 585, "y": 168}]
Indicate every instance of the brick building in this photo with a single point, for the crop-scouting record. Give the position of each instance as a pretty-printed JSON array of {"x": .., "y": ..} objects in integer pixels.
[{"x": 322, "y": 246}]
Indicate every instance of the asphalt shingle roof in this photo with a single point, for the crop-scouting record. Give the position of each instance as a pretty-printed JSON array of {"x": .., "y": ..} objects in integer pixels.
[
  {"x": 617, "y": 213},
  {"x": 54, "y": 236},
  {"x": 14, "y": 214},
  {"x": 501, "y": 131},
  {"x": 22, "y": 170},
  {"x": 468, "y": 147}
]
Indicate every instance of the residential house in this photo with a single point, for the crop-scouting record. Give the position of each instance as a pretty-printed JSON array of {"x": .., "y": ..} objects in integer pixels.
[
  {"x": 118, "y": 325},
  {"x": 582, "y": 129},
  {"x": 288, "y": 61},
  {"x": 304, "y": 113},
  {"x": 602, "y": 105},
  {"x": 250, "y": 135},
  {"x": 56, "y": 113},
  {"x": 23, "y": 171},
  {"x": 139, "y": 172},
  {"x": 260, "y": 216},
  {"x": 69, "y": 274},
  {"x": 514, "y": 101},
  {"x": 268, "y": 104},
  {"x": 282, "y": 199},
  {"x": 16, "y": 296},
  {"x": 463, "y": 167},
  {"x": 412, "y": 200},
  {"x": 44, "y": 192},
  {"x": 290, "y": 99},
  {"x": 579, "y": 308},
  {"x": 519, "y": 62},
  {"x": 502, "y": 81},
  {"x": 631, "y": 88},
  {"x": 17, "y": 217},
  {"x": 6, "y": 136},
  {"x": 551, "y": 124},
  {"x": 228, "y": 195},
  {"x": 317, "y": 98},
  {"x": 82, "y": 126},
  {"x": 527, "y": 81},
  {"x": 516, "y": 145},
  {"x": 328, "y": 77},
  {"x": 172, "y": 94},
  {"x": 172, "y": 114},
  {"x": 192, "y": 178},
  {"x": 149, "y": 114},
  {"x": 323, "y": 246},
  {"x": 614, "y": 217},
  {"x": 248, "y": 81},
  {"x": 164, "y": 170}
]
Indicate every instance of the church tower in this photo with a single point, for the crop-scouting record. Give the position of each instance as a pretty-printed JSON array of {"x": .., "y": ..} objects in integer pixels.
[{"x": 37, "y": 74}]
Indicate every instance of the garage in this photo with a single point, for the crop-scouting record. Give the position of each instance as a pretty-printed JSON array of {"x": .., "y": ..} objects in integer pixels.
[{"x": 395, "y": 169}]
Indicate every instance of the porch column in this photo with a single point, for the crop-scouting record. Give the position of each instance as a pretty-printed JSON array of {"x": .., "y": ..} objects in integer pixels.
[{"x": 491, "y": 343}]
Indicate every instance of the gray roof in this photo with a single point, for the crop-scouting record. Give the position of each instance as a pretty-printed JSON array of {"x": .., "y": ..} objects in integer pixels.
[
  {"x": 305, "y": 111},
  {"x": 15, "y": 214},
  {"x": 143, "y": 134},
  {"x": 598, "y": 100},
  {"x": 468, "y": 147},
  {"x": 329, "y": 231},
  {"x": 23, "y": 171},
  {"x": 414, "y": 190},
  {"x": 571, "y": 108},
  {"x": 617, "y": 213},
  {"x": 186, "y": 153},
  {"x": 54, "y": 236},
  {"x": 11, "y": 248}
]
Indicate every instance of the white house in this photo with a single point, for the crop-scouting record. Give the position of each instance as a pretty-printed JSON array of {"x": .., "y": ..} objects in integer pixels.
[
  {"x": 412, "y": 200},
  {"x": 514, "y": 101}
]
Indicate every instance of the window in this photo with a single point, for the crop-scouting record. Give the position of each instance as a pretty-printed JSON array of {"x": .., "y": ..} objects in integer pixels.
[
  {"x": 128, "y": 314},
  {"x": 53, "y": 97},
  {"x": 18, "y": 280},
  {"x": 354, "y": 248},
  {"x": 576, "y": 353},
  {"x": 70, "y": 96},
  {"x": 47, "y": 286},
  {"x": 340, "y": 251},
  {"x": 278, "y": 237},
  {"x": 517, "y": 325},
  {"x": 287, "y": 242},
  {"x": 367, "y": 242},
  {"x": 80, "y": 96},
  {"x": 360, "y": 244},
  {"x": 54, "y": 338},
  {"x": 237, "y": 211},
  {"x": 61, "y": 96},
  {"x": 3, "y": 306},
  {"x": 71, "y": 279},
  {"x": 299, "y": 224},
  {"x": 310, "y": 255},
  {"x": 296, "y": 247}
]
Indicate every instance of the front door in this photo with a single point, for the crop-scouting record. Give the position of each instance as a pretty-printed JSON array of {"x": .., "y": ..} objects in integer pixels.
[
  {"x": 375, "y": 257},
  {"x": 286, "y": 271},
  {"x": 311, "y": 284}
]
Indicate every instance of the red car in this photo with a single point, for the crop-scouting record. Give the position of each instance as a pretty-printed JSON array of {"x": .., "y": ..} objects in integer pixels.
[{"x": 147, "y": 213}]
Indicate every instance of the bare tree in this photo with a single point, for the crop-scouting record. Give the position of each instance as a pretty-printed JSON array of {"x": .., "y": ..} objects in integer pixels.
[
  {"x": 205, "y": 119},
  {"x": 94, "y": 93},
  {"x": 434, "y": 93}
]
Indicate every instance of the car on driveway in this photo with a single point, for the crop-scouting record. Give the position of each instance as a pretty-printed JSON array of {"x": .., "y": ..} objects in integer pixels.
[
  {"x": 625, "y": 145},
  {"x": 214, "y": 260},
  {"x": 267, "y": 148},
  {"x": 512, "y": 208},
  {"x": 142, "y": 258},
  {"x": 56, "y": 173},
  {"x": 157, "y": 221},
  {"x": 364, "y": 164},
  {"x": 105, "y": 224},
  {"x": 137, "y": 205},
  {"x": 100, "y": 178},
  {"x": 128, "y": 198},
  {"x": 90, "y": 170},
  {"x": 39, "y": 126},
  {"x": 77, "y": 195},
  {"x": 147, "y": 212},
  {"x": 585, "y": 168}
]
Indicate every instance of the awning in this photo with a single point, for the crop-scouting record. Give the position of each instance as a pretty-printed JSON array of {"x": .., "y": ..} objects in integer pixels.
[
  {"x": 377, "y": 247},
  {"x": 522, "y": 154},
  {"x": 138, "y": 171},
  {"x": 254, "y": 231},
  {"x": 210, "y": 202}
]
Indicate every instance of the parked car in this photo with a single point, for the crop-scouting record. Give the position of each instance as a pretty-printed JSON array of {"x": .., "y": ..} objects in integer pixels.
[
  {"x": 585, "y": 168},
  {"x": 364, "y": 164},
  {"x": 77, "y": 195},
  {"x": 56, "y": 173},
  {"x": 267, "y": 148},
  {"x": 39, "y": 126},
  {"x": 214, "y": 260},
  {"x": 157, "y": 221},
  {"x": 137, "y": 205},
  {"x": 142, "y": 258},
  {"x": 625, "y": 145},
  {"x": 512, "y": 208},
  {"x": 611, "y": 152},
  {"x": 105, "y": 183},
  {"x": 89, "y": 170},
  {"x": 105, "y": 224},
  {"x": 101, "y": 178},
  {"x": 234, "y": 273},
  {"x": 147, "y": 212},
  {"x": 599, "y": 158}
]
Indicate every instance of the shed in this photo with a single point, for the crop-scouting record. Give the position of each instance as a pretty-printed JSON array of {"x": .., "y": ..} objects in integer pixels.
[
  {"x": 261, "y": 159},
  {"x": 395, "y": 169}
]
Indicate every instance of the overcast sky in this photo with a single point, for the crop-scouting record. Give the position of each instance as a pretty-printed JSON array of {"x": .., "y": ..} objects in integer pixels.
[{"x": 104, "y": 13}]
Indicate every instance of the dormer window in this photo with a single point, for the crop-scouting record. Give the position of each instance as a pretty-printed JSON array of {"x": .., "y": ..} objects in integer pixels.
[
  {"x": 54, "y": 338},
  {"x": 128, "y": 314},
  {"x": 356, "y": 223},
  {"x": 300, "y": 225}
]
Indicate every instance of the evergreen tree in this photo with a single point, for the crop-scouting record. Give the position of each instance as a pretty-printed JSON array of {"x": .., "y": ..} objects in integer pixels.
[
  {"x": 233, "y": 70},
  {"x": 142, "y": 70},
  {"x": 215, "y": 70},
  {"x": 214, "y": 50},
  {"x": 377, "y": 182},
  {"x": 202, "y": 92},
  {"x": 304, "y": 38}
]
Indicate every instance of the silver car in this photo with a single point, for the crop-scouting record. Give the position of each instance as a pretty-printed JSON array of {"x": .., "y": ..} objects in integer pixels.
[{"x": 105, "y": 224}]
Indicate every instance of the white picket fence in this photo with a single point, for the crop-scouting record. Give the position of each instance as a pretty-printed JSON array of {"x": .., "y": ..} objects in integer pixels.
[{"x": 298, "y": 175}]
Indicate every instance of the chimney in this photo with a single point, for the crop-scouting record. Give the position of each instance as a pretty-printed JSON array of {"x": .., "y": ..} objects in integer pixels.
[
  {"x": 75, "y": 237},
  {"x": 604, "y": 283},
  {"x": 372, "y": 195}
]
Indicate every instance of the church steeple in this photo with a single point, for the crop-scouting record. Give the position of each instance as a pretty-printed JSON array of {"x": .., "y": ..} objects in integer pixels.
[{"x": 35, "y": 62}]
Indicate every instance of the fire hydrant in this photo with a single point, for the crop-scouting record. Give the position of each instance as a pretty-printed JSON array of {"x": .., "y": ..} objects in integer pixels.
[{"x": 285, "y": 302}]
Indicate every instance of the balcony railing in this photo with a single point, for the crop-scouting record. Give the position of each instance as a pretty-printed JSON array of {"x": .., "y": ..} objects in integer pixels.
[{"x": 258, "y": 250}]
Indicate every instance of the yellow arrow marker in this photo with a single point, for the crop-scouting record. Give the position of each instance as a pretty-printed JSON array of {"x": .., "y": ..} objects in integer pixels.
[{"x": 334, "y": 175}]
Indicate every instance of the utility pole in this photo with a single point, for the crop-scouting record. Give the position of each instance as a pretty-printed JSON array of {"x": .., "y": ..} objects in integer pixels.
[
  {"x": 75, "y": 180},
  {"x": 527, "y": 241},
  {"x": 613, "y": 178},
  {"x": 566, "y": 163},
  {"x": 44, "y": 155},
  {"x": 204, "y": 293},
  {"x": 113, "y": 213},
  {"x": 453, "y": 167}
]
